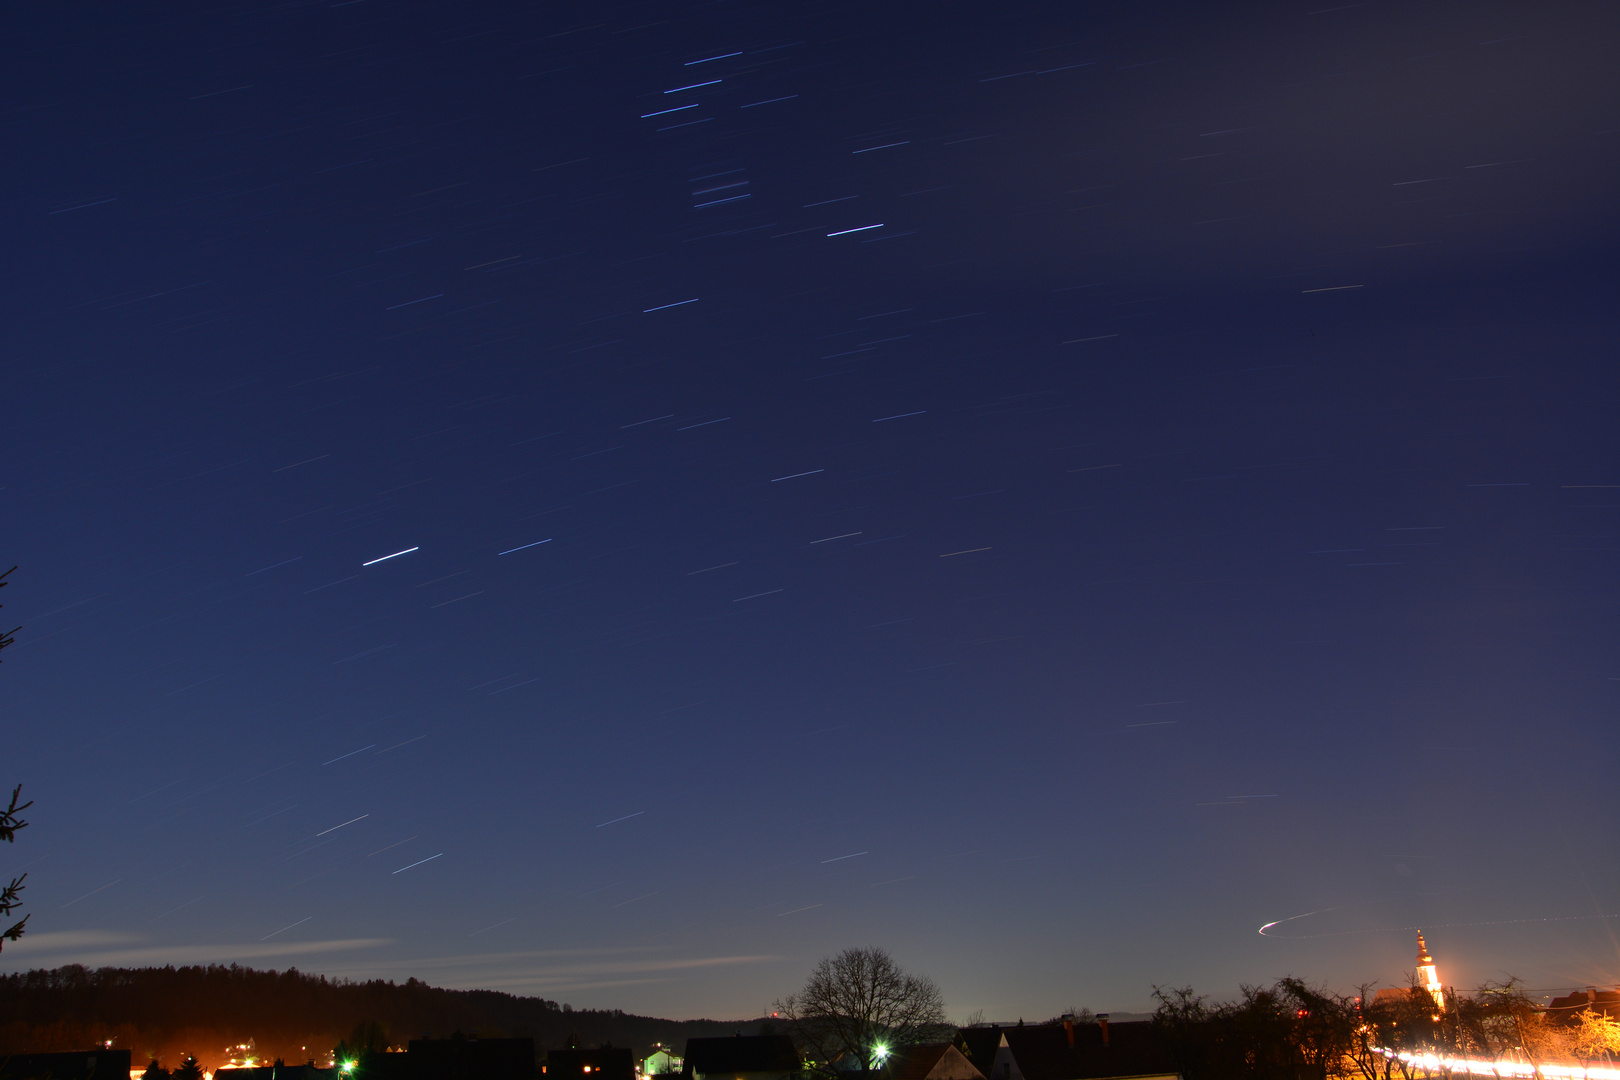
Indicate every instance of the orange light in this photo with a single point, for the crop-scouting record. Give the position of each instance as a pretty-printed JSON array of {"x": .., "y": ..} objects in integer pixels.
[{"x": 1480, "y": 1067}]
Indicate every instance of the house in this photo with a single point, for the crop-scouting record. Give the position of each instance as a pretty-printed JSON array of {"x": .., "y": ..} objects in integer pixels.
[
  {"x": 660, "y": 1062},
  {"x": 742, "y": 1057},
  {"x": 467, "y": 1058},
  {"x": 378, "y": 1067},
  {"x": 605, "y": 1063},
  {"x": 931, "y": 1061},
  {"x": 1562, "y": 1010},
  {"x": 1069, "y": 1051},
  {"x": 97, "y": 1064},
  {"x": 280, "y": 1071}
]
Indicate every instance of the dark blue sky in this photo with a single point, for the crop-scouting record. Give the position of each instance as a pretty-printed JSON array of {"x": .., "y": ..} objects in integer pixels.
[{"x": 1187, "y": 502}]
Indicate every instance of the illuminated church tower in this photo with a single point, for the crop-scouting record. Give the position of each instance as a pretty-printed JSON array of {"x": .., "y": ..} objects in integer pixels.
[{"x": 1428, "y": 975}]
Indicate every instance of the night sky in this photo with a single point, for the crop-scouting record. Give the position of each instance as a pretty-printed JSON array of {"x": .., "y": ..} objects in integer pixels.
[{"x": 618, "y": 501}]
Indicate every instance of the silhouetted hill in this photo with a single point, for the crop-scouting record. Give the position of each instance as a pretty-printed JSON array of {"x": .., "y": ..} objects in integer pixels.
[{"x": 168, "y": 1012}]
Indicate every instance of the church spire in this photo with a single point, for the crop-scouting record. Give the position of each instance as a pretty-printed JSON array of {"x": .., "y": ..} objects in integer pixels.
[{"x": 1428, "y": 975}]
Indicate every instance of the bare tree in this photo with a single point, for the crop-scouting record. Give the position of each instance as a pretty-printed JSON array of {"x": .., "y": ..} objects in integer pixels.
[
  {"x": 1182, "y": 1022},
  {"x": 1075, "y": 1014},
  {"x": 10, "y": 636},
  {"x": 858, "y": 1007},
  {"x": 1506, "y": 1022},
  {"x": 10, "y": 822},
  {"x": 1594, "y": 1036},
  {"x": 9, "y": 896},
  {"x": 1403, "y": 1021}
]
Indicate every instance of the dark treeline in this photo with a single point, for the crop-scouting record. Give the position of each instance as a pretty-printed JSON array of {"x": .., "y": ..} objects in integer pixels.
[
  {"x": 1294, "y": 1031},
  {"x": 1288, "y": 1031},
  {"x": 167, "y": 1013}
]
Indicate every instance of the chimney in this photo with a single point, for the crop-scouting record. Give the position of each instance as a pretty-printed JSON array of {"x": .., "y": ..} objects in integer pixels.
[
  {"x": 1102, "y": 1022},
  {"x": 1068, "y": 1029}
]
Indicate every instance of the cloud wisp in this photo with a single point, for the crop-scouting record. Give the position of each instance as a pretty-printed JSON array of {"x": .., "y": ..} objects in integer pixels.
[
  {"x": 96, "y": 948},
  {"x": 518, "y": 972}
]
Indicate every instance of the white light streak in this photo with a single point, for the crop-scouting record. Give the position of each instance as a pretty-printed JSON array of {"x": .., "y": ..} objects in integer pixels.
[
  {"x": 288, "y": 927},
  {"x": 408, "y": 303},
  {"x": 395, "y": 555},
  {"x": 863, "y": 228},
  {"x": 350, "y": 754},
  {"x": 272, "y": 566},
  {"x": 81, "y": 206},
  {"x": 626, "y": 817},
  {"x": 525, "y": 547},
  {"x": 1481, "y": 1067},
  {"x": 93, "y": 892},
  {"x": 755, "y": 596},
  {"x": 335, "y": 828},
  {"x": 419, "y": 862},
  {"x": 841, "y": 858}
]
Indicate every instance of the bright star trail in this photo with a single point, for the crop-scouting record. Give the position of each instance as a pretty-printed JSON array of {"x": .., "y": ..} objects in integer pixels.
[{"x": 385, "y": 558}]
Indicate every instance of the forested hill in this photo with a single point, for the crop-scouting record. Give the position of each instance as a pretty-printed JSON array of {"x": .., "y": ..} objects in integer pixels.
[{"x": 168, "y": 1012}]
